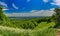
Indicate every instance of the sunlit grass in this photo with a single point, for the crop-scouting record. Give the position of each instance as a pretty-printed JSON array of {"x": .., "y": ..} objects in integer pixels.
[
  {"x": 8, "y": 31},
  {"x": 44, "y": 25}
]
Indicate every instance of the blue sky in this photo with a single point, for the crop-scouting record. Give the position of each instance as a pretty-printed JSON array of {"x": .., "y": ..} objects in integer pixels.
[{"x": 28, "y": 6}]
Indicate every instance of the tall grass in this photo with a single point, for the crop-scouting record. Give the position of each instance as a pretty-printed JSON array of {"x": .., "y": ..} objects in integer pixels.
[{"x": 8, "y": 31}]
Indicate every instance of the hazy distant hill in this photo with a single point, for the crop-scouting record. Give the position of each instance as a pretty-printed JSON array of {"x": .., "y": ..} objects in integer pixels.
[{"x": 42, "y": 13}]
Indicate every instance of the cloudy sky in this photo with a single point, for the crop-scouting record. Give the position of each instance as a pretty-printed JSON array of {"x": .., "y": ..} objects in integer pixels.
[{"x": 29, "y": 7}]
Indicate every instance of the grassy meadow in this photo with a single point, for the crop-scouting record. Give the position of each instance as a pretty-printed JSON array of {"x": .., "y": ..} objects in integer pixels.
[
  {"x": 28, "y": 27},
  {"x": 44, "y": 26}
]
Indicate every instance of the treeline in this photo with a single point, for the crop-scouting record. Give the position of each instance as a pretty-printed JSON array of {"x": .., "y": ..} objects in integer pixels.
[{"x": 29, "y": 23}]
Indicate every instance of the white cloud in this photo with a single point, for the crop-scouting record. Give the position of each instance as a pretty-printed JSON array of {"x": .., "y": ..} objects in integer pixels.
[
  {"x": 52, "y": 9},
  {"x": 34, "y": 13},
  {"x": 56, "y": 2},
  {"x": 3, "y": 4},
  {"x": 14, "y": 6},
  {"x": 45, "y": 1},
  {"x": 5, "y": 9}
]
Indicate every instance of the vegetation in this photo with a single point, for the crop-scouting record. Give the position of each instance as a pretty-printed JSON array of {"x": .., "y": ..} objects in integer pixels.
[
  {"x": 27, "y": 23},
  {"x": 8, "y": 31},
  {"x": 29, "y": 27},
  {"x": 3, "y": 18},
  {"x": 45, "y": 25},
  {"x": 57, "y": 17}
]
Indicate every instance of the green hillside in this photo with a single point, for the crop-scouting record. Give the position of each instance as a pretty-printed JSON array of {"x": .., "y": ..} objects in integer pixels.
[{"x": 27, "y": 27}]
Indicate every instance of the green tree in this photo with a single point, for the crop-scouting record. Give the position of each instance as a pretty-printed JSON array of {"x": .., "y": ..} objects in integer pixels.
[
  {"x": 3, "y": 17},
  {"x": 57, "y": 16}
]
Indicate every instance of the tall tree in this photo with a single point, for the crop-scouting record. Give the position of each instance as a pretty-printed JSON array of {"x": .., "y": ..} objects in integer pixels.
[
  {"x": 3, "y": 17},
  {"x": 57, "y": 16}
]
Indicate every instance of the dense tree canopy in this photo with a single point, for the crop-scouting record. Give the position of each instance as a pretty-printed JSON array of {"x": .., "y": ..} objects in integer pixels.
[{"x": 57, "y": 16}]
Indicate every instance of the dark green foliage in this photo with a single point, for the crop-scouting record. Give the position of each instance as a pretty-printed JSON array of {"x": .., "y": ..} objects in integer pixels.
[
  {"x": 56, "y": 17},
  {"x": 3, "y": 18},
  {"x": 28, "y": 23}
]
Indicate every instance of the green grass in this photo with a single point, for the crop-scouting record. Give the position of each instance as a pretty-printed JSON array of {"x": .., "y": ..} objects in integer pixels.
[
  {"x": 39, "y": 29},
  {"x": 8, "y": 31},
  {"x": 42, "y": 29},
  {"x": 44, "y": 25},
  {"x": 14, "y": 27}
]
